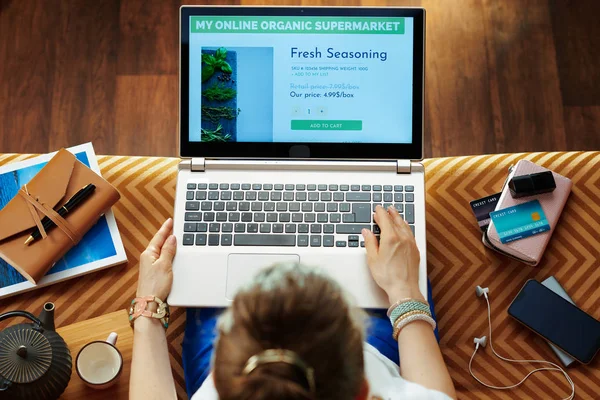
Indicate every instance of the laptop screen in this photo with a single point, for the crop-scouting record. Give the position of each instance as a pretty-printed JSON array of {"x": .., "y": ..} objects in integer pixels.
[
  {"x": 302, "y": 82},
  {"x": 301, "y": 79}
]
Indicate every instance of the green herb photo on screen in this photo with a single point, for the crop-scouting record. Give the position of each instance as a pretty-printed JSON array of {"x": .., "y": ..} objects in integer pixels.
[
  {"x": 219, "y": 92},
  {"x": 232, "y": 99},
  {"x": 213, "y": 62},
  {"x": 219, "y": 108},
  {"x": 216, "y": 135}
]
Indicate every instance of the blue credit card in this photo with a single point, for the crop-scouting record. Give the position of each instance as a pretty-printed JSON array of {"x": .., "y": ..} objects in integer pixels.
[{"x": 520, "y": 221}]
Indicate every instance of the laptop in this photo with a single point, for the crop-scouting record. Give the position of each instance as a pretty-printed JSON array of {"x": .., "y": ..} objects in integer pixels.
[{"x": 295, "y": 122}]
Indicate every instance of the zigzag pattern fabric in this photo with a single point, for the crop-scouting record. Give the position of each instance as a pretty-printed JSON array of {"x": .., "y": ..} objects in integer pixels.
[{"x": 457, "y": 262}]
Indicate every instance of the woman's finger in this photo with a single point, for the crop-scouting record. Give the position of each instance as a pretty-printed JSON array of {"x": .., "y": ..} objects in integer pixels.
[
  {"x": 384, "y": 221},
  {"x": 167, "y": 253},
  {"x": 399, "y": 222},
  {"x": 371, "y": 245},
  {"x": 159, "y": 239}
]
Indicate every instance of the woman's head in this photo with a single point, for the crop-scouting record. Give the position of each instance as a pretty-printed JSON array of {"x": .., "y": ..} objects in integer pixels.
[{"x": 297, "y": 309}]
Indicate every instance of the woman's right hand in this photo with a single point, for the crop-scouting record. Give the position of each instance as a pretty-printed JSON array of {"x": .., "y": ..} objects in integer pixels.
[
  {"x": 394, "y": 261},
  {"x": 156, "y": 264}
]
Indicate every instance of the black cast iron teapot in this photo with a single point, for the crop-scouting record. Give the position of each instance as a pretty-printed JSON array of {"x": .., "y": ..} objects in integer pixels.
[{"x": 35, "y": 362}]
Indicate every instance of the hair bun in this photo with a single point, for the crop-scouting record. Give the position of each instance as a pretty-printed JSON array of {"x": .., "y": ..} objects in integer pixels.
[{"x": 275, "y": 382}]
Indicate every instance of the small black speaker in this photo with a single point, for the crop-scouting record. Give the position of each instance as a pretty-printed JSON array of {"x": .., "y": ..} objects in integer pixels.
[{"x": 530, "y": 185}]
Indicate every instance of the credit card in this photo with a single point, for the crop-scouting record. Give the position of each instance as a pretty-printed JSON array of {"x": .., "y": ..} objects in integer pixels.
[
  {"x": 520, "y": 221},
  {"x": 482, "y": 209}
]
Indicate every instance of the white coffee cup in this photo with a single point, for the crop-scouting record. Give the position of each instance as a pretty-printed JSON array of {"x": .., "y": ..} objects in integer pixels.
[{"x": 100, "y": 363}]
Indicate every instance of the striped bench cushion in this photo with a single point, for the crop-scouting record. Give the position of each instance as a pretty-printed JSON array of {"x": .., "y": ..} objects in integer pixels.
[{"x": 457, "y": 262}]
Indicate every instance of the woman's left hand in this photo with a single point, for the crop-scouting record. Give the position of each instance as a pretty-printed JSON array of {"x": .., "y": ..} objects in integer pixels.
[{"x": 156, "y": 273}]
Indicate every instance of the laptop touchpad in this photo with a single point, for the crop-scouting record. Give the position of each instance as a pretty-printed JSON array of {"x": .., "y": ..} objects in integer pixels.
[{"x": 242, "y": 268}]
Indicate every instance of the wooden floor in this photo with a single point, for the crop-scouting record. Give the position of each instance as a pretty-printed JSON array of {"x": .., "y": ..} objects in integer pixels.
[{"x": 501, "y": 75}]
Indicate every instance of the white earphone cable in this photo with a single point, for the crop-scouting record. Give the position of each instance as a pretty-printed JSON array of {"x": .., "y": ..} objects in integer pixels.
[{"x": 555, "y": 367}]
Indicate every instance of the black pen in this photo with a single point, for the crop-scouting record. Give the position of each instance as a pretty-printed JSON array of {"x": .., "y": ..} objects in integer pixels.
[{"x": 70, "y": 205}]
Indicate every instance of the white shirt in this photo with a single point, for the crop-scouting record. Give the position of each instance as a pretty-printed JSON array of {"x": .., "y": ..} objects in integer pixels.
[{"x": 383, "y": 376}]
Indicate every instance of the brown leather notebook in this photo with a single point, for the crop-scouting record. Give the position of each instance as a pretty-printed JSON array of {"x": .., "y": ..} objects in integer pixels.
[{"x": 52, "y": 187}]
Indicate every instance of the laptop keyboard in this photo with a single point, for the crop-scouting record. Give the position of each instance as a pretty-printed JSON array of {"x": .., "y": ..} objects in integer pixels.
[{"x": 303, "y": 215}]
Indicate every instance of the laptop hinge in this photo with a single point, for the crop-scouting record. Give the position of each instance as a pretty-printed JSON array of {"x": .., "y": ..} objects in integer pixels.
[
  {"x": 198, "y": 164},
  {"x": 403, "y": 166}
]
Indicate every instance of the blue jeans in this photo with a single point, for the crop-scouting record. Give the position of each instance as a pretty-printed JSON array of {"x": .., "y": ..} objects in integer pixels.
[{"x": 200, "y": 334}]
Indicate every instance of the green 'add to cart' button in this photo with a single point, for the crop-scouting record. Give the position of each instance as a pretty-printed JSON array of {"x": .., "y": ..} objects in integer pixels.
[{"x": 326, "y": 125}]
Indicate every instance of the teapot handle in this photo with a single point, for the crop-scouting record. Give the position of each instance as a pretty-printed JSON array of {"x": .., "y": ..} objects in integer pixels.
[{"x": 24, "y": 314}]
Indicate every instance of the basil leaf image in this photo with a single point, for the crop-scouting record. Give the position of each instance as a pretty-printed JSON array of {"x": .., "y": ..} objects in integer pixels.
[
  {"x": 221, "y": 53},
  {"x": 225, "y": 67},
  {"x": 207, "y": 72},
  {"x": 209, "y": 59}
]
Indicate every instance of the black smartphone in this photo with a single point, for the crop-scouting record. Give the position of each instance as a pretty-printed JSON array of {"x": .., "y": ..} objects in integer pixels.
[{"x": 556, "y": 320}]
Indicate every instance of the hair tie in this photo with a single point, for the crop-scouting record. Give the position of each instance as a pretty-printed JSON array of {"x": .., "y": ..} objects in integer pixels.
[{"x": 281, "y": 356}]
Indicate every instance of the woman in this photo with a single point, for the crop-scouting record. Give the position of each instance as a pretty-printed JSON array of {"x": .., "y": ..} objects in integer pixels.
[{"x": 292, "y": 334}]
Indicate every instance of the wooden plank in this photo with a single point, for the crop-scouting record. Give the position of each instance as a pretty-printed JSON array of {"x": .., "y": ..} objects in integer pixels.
[
  {"x": 576, "y": 32},
  {"x": 149, "y": 37},
  {"x": 85, "y": 75},
  {"x": 457, "y": 83},
  {"x": 79, "y": 334},
  {"x": 522, "y": 54},
  {"x": 146, "y": 115},
  {"x": 27, "y": 32},
  {"x": 583, "y": 127}
]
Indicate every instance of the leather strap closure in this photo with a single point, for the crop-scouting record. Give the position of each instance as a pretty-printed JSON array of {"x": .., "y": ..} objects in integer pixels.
[
  {"x": 35, "y": 206},
  {"x": 32, "y": 211}
]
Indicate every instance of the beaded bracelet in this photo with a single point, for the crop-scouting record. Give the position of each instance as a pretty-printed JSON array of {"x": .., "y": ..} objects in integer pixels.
[
  {"x": 412, "y": 318},
  {"x": 406, "y": 307},
  {"x": 401, "y": 301},
  {"x": 408, "y": 314}
]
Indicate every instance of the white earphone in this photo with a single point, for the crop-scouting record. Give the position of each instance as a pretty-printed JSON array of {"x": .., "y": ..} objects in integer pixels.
[
  {"x": 481, "y": 291},
  {"x": 482, "y": 341}
]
